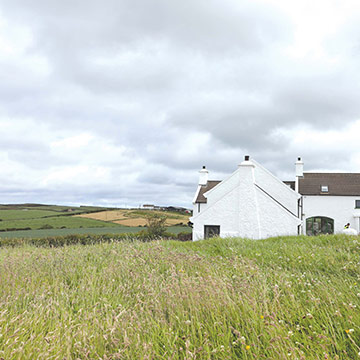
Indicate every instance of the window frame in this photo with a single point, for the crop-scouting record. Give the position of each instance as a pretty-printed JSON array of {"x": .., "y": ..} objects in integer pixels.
[
  {"x": 209, "y": 228},
  {"x": 324, "y": 188}
]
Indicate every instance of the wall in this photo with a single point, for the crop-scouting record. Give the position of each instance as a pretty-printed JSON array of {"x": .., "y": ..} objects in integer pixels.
[
  {"x": 276, "y": 188},
  {"x": 275, "y": 220},
  {"x": 221, "y": 209},
  {"x": 339, "y": 208},
  {"x": 241, "y": 209}
]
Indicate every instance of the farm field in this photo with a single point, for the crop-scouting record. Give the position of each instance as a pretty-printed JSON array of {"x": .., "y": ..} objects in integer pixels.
[
  {"x": 136, "y": 217},
  {"x": 32, "y": 220},
  {"x": 280, "y": 298},
  {"x": 54, "y": 222},
  {"x": 103, "y": 230}
]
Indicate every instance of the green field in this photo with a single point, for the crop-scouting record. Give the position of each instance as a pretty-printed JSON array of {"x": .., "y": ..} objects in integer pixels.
[
  {"x": 55, "y": 222},
  {"x": 281, "y": 298},
  {"x": 21, "y": 217},
  {"x": 116, "y": 229}
]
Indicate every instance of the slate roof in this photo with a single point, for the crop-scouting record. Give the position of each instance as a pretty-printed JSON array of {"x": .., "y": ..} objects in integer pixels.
[
  {"x": 290, "y": 183},
  {"x": 204, "y": 188},
  {"x": 339, "y": 184}
]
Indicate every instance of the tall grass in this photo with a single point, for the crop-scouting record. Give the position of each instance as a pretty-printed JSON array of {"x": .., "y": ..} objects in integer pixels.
[{"x": 283, "y": 298}]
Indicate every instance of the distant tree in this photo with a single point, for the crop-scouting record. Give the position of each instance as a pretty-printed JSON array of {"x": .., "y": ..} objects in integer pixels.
[{"x": 156, "y": 224}]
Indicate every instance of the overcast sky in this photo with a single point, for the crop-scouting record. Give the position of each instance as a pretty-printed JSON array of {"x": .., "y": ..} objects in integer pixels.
[{"x": 121, "y": 102}]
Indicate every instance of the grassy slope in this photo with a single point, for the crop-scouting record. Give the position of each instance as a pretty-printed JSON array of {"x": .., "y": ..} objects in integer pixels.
[{"x": 285, "y": 298}]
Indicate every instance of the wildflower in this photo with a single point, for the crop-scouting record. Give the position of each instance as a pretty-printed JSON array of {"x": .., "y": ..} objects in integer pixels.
[
  {"x": 261, "y": 317},
  {"x": 309, "y": 315},
  {"x": 247, "y": 347},
  {"x": 290, "y": 333},
  {"x": 188, "y": 322}
]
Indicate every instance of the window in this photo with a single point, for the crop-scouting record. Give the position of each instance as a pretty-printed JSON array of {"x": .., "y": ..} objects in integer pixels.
[
  {"x": 357, "y": 204},
  {"x": 319, "y": 225},
  {"x": 324, "y": 188},
  {"x": 211, "y": 231}
]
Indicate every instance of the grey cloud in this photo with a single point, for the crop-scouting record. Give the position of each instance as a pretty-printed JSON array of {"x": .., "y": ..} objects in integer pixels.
[{"x": 152, "y": 77}]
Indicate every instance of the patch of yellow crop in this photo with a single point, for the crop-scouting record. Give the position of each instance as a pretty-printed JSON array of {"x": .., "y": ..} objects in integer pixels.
[
  {"x": 131, "y": 222},
  {"x": 105, "y": 215},
  {"x": 134, "y": 217}
]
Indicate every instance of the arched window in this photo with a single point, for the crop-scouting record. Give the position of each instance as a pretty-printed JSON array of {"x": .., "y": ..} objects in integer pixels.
[{"x": 319, "y": 225}]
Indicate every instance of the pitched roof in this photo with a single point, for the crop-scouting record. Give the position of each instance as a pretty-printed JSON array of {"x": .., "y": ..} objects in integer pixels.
[
  {"x": 339, "y": 184},
  {"x": 290, "y": 183},
  {"x": 204, "y": 188}
]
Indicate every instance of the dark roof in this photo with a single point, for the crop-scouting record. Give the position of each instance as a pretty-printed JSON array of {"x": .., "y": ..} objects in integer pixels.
[
  {"x": 204, "y": 188},
  {"x": 290, "y": 183},
  {"x": 339, "y": 184}
]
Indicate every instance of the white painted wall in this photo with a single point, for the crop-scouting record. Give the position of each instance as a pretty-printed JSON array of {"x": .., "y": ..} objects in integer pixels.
[
  {"x": 275, "y": 187},
  {"x": 340, "y": 208},
  {"x": 275, "y": 221},
  {"x": 242, "y": 209}
]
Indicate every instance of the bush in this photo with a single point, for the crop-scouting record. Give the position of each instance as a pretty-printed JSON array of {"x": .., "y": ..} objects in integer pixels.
[
  {"x": 184, "y": 236},
  {"x": 156, "y": 224},
  {"x": 81, "y": 239},
  {"x": 46, "y": 227}
]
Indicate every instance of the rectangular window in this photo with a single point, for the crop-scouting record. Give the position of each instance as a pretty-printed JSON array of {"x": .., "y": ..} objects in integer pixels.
[
  {"x": 211, "y": 231},
  {"x": 324, "y": 188},
  {"x": 357, "y": 204}
]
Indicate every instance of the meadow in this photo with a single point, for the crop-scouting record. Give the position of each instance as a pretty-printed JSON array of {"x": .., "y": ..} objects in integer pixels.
[{"x": 280, "y": 298}]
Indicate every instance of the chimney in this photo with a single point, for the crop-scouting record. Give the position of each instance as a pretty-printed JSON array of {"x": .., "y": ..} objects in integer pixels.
[
  {"x": 247, "y": 161},
  {"x": 204, "y": 174},
  {"x": 299, "y": 172}
]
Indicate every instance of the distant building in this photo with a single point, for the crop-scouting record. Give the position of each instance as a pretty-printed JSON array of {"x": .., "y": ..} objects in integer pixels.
[
  {"x": 148, "y": 206},
  {"x": 253, "y": 203}
]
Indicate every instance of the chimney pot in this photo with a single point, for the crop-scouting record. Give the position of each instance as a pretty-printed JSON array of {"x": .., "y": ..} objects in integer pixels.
[
  {"x": 203, "y": 178},
  {"x": 299, "y": 168}
]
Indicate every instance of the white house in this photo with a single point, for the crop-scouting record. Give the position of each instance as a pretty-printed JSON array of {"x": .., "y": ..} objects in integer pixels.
[{"x": 253, "y": 203}]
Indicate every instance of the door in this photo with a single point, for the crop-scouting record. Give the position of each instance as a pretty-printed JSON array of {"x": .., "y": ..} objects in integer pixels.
[{"x": 211, "y": 231}]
